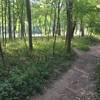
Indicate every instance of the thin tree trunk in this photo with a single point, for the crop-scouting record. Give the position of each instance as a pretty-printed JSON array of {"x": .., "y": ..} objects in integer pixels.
[
  {"x": 14, "y": 23},
  {"x": 28, "y": 7},
  {"x": 54, "y": 24},
  {"x": 82, "y": 28},
  {"x": 9, "y": 20},
  {"x": 5, "y": 22},
  {"x": 2, "y": 5},
  {"x": 58, "y": 20},
  {"x": 45, "y": 22},
  {"x": 54, "y": 43}
]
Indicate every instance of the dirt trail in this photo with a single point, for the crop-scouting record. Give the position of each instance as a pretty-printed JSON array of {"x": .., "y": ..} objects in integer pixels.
[{"x": 78, "y": 83}]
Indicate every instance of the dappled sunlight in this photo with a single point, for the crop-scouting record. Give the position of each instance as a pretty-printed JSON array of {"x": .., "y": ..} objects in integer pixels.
[
  {"x": 40, "y": 40},
  {"x": 24, "y": 67}
]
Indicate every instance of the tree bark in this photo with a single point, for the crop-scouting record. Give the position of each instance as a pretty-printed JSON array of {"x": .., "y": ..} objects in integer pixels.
[
  {"x": 5, "y": 22},
  {"x": 82, "y": 28},
  {"x": 69, "y": 6},
  {"x": 54, "y": 22},
  {"x": 2, "y": 15},
  {"x": 28, "y": 7},
  {"x": 9, "y": 20},
  {"x": 45, "y": 23},
  {"x": 58, "y": 20}
]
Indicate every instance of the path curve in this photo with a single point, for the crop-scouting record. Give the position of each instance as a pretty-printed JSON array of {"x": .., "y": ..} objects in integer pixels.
[{"x": 78, "y": 83}]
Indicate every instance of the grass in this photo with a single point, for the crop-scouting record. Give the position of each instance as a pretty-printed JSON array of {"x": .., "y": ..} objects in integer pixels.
[
  {"x": 98, "y": 79},
  {"x": 84, "y": 43},
  {"x": 28, "y": 73}
]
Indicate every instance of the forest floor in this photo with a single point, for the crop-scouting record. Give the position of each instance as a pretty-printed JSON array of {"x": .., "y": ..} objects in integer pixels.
[
  {"x": 25, "y": 73},
  {"x": 79, "y": 82}
]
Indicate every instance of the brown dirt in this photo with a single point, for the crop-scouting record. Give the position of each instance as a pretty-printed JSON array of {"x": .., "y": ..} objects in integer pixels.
[{"x": 78, "y": 83}]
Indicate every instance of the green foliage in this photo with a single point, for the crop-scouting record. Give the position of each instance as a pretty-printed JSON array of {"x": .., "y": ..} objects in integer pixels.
[
  {"x": 27, "y": 73},
  {"x": 94, "y": 23},
  {"x": 83, "y": 43}
]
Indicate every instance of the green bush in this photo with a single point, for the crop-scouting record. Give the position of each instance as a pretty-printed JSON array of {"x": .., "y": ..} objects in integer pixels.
[{"x": 83, "y": 43}]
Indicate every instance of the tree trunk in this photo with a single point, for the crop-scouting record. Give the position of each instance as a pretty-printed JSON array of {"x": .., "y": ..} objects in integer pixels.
[
  {"x": 58, "y": 20},
  {"x": 73, "y": 28},
  {"x": 5, "y": 22},
  {"x": 69, "y": 5},
  {"x": 2, "y": 5},
  {"x": 22, "y": 28},
  {"x": 45, "y": 24},
  {"x": 22, "y": 21},
  {"x": 82, "y": 28},
  {"x": 54, "y": 22},
  {"x": 28, "y": 7},
  {"x": 9, "y": 20}
]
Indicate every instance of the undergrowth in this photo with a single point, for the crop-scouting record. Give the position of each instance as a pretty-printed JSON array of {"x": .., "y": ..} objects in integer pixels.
[{"x": 26, "y": 73}]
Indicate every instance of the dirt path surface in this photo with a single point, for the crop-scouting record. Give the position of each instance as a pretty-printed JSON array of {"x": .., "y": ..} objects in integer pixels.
[{"x": 78, "y": 83}]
